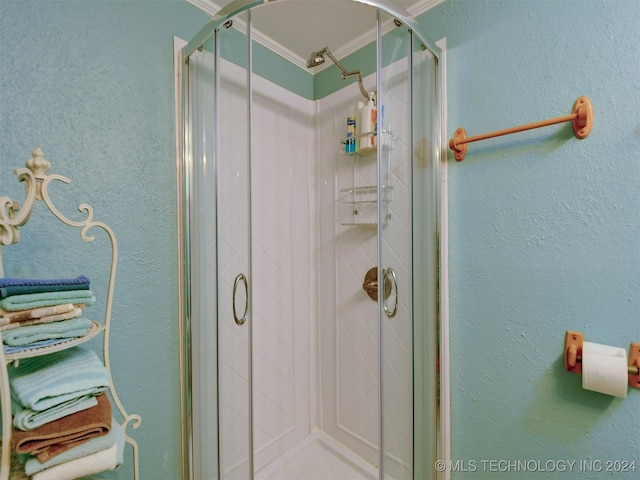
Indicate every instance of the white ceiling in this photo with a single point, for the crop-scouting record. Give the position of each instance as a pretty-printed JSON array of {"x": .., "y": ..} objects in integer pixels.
[{"x": 295, "y": 29}]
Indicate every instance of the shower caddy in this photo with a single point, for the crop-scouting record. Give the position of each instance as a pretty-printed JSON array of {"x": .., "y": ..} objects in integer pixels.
[
  {"x": 358, "y": 205},
  {"x": 12, "y": 216}
]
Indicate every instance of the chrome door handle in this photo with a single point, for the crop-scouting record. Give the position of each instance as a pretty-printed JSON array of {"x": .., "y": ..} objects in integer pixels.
[
  {"x": 390, "y": 274},
  {"x": 243, "y": 279}
]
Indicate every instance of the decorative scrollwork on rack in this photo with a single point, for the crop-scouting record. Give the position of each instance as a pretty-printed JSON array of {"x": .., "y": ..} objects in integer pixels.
[
  {"x": 11, "y": 215},
  {"x": 9, "y": 232}
]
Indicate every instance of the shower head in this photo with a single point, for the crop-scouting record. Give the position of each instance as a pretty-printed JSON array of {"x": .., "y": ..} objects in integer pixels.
[{"x": 316, "y": 58}]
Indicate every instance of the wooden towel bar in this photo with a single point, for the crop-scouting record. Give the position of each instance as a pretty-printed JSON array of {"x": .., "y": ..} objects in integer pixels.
[{"x": 581, "y": 116}]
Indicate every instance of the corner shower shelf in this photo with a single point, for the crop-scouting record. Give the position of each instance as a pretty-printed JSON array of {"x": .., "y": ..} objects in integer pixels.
[
  {"x": 12, "y": 216},
  {"x": 388, "y": 138},
  {"x": 358, "y": 206},
  {"x": 362, "y": 151}
]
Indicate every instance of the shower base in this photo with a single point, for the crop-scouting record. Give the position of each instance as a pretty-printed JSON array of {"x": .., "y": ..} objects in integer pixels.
[{"x": 318, "y": 457}]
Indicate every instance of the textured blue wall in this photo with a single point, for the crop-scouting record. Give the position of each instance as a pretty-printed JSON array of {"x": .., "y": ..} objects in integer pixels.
[
  {"x": 91, "y": 83},
  {"x": 544, "y": 229}
]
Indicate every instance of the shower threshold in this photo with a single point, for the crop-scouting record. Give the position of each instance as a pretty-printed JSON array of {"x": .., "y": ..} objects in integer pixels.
[{"x": 318, "y": 457}]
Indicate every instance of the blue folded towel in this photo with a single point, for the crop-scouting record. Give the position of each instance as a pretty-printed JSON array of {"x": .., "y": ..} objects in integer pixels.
[
  {"x": 71, "y": 328},
  {"x": 42, "y": 382},
  {"x": 42, "y": 343},
  {"x": 97, "y": 444},
  {"x": 26, "y": 419},
  {"x": 21, "y": 286},
  {"x": 15, "y": 281},
  {"x": 44, "y": 299}
]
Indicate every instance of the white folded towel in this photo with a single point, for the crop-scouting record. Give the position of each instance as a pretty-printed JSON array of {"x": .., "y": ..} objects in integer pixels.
[{"x": 81, "y": 467}]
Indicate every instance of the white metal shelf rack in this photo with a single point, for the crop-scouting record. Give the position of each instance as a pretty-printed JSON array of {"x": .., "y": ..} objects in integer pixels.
[
  {"x": 12, "y": 216},
  {"x": 358, "y": 205}
]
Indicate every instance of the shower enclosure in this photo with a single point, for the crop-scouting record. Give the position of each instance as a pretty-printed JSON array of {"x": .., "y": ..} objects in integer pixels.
[{"x": 310, "y": 304}]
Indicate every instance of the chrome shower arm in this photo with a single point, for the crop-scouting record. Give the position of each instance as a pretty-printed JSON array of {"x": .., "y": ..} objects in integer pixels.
[
  {"x": 346, "y": 74},
  {"x": 326, "y": 50},
  {"x": 360, "y": 84}
]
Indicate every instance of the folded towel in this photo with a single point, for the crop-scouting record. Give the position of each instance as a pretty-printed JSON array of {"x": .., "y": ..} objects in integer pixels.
[
  {"x": 42, "y": 382},
  {"x": 16, "y": 281},
  {"x": 27, "y": 289},
  {"x": 72, "y": 328},
  {"x": 35, "y": 300},
  {"x": 26, "y": 419},
  {"x": 81, "y": 467},
  {"x": 20, "y": 286},
  {"x": 20, "y": 316},
  {"x": 55, "y": 437},
  {"x": 97, "y": 444},
  {"x": 73, "y": 313},
  {"x": 32, "y": 346}
]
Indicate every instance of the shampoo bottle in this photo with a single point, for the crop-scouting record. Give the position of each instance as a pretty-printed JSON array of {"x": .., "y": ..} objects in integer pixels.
[
  {"x": 350, "y": 141},
  {"x": 368, "y": 124},
  {"x": 357, "y": 113}
]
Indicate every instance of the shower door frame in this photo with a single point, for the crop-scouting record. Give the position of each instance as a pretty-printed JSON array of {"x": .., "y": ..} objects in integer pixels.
[{"x": 229, "y": 12}]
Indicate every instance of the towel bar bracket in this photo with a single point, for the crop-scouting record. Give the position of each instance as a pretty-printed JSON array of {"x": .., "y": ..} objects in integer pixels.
[
  {"x": 583, "y": 122},
  {"x": 458, "y": 145}
]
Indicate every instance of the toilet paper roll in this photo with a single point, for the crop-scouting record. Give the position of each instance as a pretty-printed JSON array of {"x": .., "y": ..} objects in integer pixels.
[{"x": 604, "y": 369}]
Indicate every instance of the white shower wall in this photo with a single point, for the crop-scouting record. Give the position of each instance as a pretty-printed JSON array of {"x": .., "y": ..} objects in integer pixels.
[
  {"x": 281, "y": 283},
  {"x": 282, "y": 316},
  {"x": 315, "y": 331},
  {"x": 280, "y": 262},
  {"x": 349, "y": 327}
]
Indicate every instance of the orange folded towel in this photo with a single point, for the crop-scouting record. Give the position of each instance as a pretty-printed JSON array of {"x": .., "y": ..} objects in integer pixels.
[{"x": 53, "y": 438}]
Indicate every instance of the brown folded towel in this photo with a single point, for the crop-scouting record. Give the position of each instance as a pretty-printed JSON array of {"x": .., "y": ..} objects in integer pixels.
[
  {"x": 7, "y": 317},
  {"x": 53, "y": 438}
]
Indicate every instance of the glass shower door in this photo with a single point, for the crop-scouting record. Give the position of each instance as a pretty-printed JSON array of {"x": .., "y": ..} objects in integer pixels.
[
  {"x": 425, "y": 204},
  {"x": 217, "y": 181},
  {"x": 199, "y": 85},
  {"x": 394, "y": 138},
  {"x": 408, "y": 252},
  {"x": 234, "y": 253}
]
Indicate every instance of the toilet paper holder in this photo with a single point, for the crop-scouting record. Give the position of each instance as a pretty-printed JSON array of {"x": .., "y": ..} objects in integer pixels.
[{"x": 573, "y": 342}]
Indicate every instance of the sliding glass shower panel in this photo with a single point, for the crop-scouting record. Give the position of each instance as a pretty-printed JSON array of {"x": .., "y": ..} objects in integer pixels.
[
  {"x": 426, "y": 195},
  {"x": 199, "y": 107},
  {"x": 234, "y": 252},
  {"x": 396, "y": 264}
]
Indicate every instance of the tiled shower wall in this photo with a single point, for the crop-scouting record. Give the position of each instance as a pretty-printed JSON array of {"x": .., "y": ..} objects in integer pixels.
[
  {"x": 281, "y": 131},
  {"x": 315, "y": 331},
  {"x": 279, "y": 272}
]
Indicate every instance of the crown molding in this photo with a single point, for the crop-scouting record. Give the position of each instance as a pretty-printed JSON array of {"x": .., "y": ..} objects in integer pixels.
[
  {"x": 422, "y": 6},
  {"x": 205, "y": 5},
  {"x": 211, "y": 8}
]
